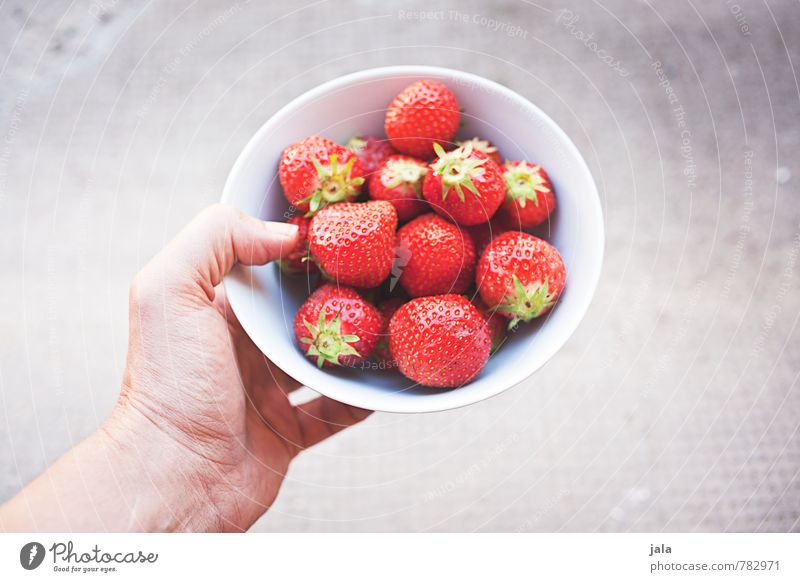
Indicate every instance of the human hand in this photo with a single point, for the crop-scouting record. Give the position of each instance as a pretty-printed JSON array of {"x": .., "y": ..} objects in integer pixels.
[
  {"x": 194, "y": 374},
  {"x": 203, "y": 432}
]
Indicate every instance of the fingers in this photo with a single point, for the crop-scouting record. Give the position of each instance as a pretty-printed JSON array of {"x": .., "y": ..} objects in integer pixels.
[
  {"x": 218, "y": 238},
  {"x": 324, "y": 417}
]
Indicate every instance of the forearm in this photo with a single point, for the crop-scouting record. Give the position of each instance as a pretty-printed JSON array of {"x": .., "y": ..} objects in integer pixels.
[{"x": 124, "y": 477}]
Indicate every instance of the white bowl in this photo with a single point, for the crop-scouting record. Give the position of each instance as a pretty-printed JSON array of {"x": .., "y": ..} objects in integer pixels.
[{"x": 265, "y": 302}]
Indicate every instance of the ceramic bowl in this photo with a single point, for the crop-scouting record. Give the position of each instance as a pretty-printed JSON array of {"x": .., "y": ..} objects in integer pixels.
[{"x": 265, "y": 301}]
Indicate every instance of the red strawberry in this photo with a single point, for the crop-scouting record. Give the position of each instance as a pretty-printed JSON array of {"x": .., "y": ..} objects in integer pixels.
[
  {"x": 371, "y": 151},
  {"x": 485, "y": 146},
  {"x": 529, "y": 195},
  {"x": 520, "y": 276},
  {"x": 353, "y": 244},
  {"x": 484, "y": 233},
  {"x": 293, "y": 263},
  {"x": 496, "y": 324},
  {"x": 336, "y": 327},
  {"x": 423, "y": 114},
  {"x": 434, "y": 257},
  {"x": 399, "y": 180},
  {"x": 316, "y": 172},
  {"x": 464, "y": 185},
  {"x": 383, "y": 356},
  {"x": 439, "y": 341}
]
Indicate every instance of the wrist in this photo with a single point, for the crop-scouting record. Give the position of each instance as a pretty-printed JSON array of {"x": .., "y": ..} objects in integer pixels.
[
  {"x": 163, "y": 486},
  {"x": 126, "y": 476}
]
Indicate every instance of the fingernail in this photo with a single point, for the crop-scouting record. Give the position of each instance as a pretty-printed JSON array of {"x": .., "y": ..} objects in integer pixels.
[{"x": 282, "y": 228}]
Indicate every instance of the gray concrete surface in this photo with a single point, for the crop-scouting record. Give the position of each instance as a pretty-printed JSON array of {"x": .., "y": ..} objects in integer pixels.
[{"x": 674, "y": 407}]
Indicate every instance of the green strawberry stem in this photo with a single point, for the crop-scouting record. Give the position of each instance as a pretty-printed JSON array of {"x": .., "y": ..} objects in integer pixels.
[
  {"x": 408, "y": 173},
  {"x": 457, "y": 169},
  {"x": 523, "y": 183},
  {"x": 327, "y": 342},
  {"x": 480, "y": 145},
  {"x": 525, "y": 303},
  {"x": 356, "y": 144},
  {"x": 335, "y": 184}
]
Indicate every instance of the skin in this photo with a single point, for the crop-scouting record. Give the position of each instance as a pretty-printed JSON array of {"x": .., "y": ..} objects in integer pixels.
[{"x": 203, "y": 432}]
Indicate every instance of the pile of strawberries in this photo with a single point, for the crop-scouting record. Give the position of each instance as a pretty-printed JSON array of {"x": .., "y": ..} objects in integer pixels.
[{"x": 399, "y": 298}]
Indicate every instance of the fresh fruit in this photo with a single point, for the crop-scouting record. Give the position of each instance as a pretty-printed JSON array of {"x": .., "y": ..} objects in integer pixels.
[
  {"x": 435, "y": 256},
  {"x": 520, "y": 276},
  {"x": 316, "y": 172},
  {"x": 439, "y": 341},
  {"x": 463, "y": 212},
  {"x": 371, "y": 151},
  {"x": 399, "y": 180},
  {"x": 464, "y": 185},
  {"x": 336, "y": 327},
  {"x": 353, "y": 244},
  {"x": 296, "y": 261},
  {"x": 383, "y": 355},
  {"x": 485, "y": 146},
  {"x": 422, "y": 114},
  {"x": 496, "y": 324},
  {"x": 484, "y": 233},
  {"x": 530, "y": 197}
]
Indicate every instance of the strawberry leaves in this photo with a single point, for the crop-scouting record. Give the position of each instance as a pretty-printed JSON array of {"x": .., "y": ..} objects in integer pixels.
[
  {"x": 524, "y": 182},
  {"x": 526, "y": 303},
  {"x": 326, "y": 341},
  {"x": 457, "y": 169},
  {"x": 399, "y": 171},
  {"x": 335, "y": 184}
]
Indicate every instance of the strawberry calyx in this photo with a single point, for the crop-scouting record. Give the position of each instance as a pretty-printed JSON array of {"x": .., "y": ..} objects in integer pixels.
[
  {"x": 327, "y": 342},
  {"x": 527, "y": 302},
  {"x": 524, "y": 182},
  {"x": 356, "y": 144},
  {"x": 404, "y": 172},
  {"x": 457, "y": 168},
  {"x": 335, "y": 184},
  {"x": 478, "y": 144}
]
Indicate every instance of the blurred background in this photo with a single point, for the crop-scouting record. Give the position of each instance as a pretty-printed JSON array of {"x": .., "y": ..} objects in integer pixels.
[{"x": 675, "y": 406}]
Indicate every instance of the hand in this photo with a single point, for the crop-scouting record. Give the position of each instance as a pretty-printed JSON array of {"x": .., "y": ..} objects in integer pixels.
[{"x": 203, "y": 431}]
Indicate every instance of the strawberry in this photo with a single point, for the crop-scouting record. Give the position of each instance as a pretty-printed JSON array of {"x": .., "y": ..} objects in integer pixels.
[
  {"x": 353, "y": 244},
  {"x": 439, "y": 341},
  {"x": 296, "y": 261},
  {"x": 336, "y": 327},
  {"x": 382, "y": 355},
  {"x": 371, "y": 151},
  {"x": 316, "y": 172},
  {"x": 464, "y": 185},
  {"x": 529, "y": 195},
  {"x": 485, "y": 146},
  {"x": 495, "y": 323},
  {"x": 422, "y": 114},
  {"x": 439, "y": 258},
  {"x": 484, "y": 233},
  {"x": 399, "y": 181},
  {"x": 520, "y": 276}
]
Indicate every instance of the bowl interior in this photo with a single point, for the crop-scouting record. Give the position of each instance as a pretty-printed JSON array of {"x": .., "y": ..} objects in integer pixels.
[{"x": 265, "y": 301}]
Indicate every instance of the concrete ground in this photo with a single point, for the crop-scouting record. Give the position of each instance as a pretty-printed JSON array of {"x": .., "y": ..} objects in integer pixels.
[{"x": 674, "y": 407}]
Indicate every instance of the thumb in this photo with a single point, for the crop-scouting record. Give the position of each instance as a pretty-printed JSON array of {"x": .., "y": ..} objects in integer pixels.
[{"x": 214, "y": 241}]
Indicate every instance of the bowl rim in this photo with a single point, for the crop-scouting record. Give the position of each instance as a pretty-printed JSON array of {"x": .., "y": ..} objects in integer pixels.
[{"x": 450, "y": 399}]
